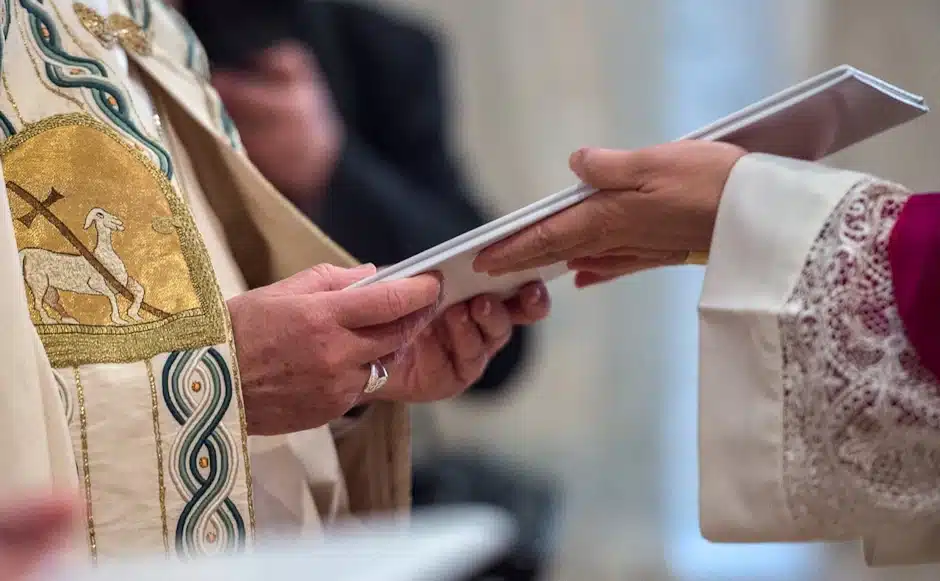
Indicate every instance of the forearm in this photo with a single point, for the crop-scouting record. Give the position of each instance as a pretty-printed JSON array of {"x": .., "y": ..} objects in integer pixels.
[{"x": 825, "y": 389}]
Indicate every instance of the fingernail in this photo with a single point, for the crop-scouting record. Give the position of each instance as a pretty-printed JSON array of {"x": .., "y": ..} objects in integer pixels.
[
  {"x": 366, "y": 266},
  {"x": 536, "y": 297},
  {"x": 577, "y": 158},
  {"x": 465, "y": 317},
  {"x": 487, "y": 307}
]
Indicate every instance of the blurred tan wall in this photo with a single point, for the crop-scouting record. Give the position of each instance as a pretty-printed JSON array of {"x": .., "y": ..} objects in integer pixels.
[{"x": 899, "y": 41}]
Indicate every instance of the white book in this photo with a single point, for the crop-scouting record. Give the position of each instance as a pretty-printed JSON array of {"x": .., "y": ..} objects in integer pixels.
[
  {"x": 810, "y": 120},
  {"x": 440, "y": 545}
]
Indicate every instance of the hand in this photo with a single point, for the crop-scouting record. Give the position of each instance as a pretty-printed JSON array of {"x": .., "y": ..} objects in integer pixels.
[
  {"x": 654, "y": 206},
  {"x": 31, "y": 530},
  {"x": 285, "y": 116},
  {"x": 304, "y": 344},
  {"x": 451, "y": 354}
]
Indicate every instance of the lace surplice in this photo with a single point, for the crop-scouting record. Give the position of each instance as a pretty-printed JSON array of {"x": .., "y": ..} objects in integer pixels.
[{"x": 861, "y": 412}]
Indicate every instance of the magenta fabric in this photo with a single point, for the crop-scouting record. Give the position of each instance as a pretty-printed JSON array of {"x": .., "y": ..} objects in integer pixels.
[{"x": 914, "y": 256}]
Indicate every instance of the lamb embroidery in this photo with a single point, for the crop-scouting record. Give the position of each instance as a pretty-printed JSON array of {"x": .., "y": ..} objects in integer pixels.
[{"x": 98, "y": 272}]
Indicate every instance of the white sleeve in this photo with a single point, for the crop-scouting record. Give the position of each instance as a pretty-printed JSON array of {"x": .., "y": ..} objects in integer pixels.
[{"x": 816, "y": 422}]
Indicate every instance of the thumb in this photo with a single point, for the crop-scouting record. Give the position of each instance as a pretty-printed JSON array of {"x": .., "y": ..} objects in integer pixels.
[
  {"x": 609, "y": 169},
  {"x": 326, "y": 277}
]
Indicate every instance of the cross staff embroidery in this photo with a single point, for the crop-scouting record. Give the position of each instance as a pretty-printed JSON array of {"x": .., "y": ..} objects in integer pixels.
[{"x": 41, "y": 208}]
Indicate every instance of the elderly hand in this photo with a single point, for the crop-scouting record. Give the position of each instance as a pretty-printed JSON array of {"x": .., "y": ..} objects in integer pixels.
[
  {"x": 285, "y": 116},
  {"x": 453, "y": 352},
  {"x": 32, "y": 530},
  {"x": 305, "y": 344},
  {"x": 654, "y": 206}
]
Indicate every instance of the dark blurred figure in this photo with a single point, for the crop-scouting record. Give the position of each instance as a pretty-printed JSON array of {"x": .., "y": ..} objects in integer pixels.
[
  {"x": 393, "y": 188},
  {"x": 369, "y": 161}
]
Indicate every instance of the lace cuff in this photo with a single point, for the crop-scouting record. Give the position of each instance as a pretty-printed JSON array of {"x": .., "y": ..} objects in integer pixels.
[{"x": 861, "y": 413}]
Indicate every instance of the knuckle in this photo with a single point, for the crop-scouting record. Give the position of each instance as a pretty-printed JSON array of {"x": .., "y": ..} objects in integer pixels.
[
  {"x": 332, "y": 358},
  {"x": 321, "y": 271},
  {"x": 544, "y": 236},
  {"x": 395, "y": 300}
]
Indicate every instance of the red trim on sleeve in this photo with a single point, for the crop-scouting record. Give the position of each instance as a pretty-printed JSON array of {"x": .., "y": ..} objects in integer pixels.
[{"x": 914, "y": 256}]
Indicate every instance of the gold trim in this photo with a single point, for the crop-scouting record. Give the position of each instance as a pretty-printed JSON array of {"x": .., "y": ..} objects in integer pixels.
[
  {"x": 158, "y": 439},
  {"x": 6, "y": 89},
  {"x": 86, "y": 473},
  {"x": 243, "y": 421},
  {"x": 71, "y": 345},
  {"x": 116, "y": 28}
]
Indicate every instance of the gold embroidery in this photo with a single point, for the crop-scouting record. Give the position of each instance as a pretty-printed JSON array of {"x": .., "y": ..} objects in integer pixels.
[
  {"x": 114, "y": 29},
  {"x": 110, "y": 254},
  {"x": 243, "y": 424},
  {"x": 86, "y": 473},
  {"x": 158, "y": 438},
  {"x": 6, "y": 89}
]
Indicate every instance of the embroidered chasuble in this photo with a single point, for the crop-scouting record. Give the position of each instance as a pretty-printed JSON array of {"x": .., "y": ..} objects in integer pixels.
[{"x": 122, "y": 369}]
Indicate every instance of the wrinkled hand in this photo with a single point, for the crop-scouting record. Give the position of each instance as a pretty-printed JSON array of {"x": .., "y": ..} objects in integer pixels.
[
  {"x": 284, "y": 113},
  {"x": 304, "y": 344},
  {"x": 654, "y": 206},
  {"x": 452, "y": 354},
  {"x": 31, "y": 530}
]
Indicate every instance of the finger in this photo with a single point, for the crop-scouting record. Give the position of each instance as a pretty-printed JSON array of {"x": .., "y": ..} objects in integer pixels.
[
  {"x": 619, "y": 264},
  {"x": 531, "y": 304},
  {"x": 528, "y": 264},
  {"x": 610, "y": 169},
  {"x": 385, "y": 302},
  {"x": 322, "y": 278},
  {"x": 464, "y": 343},
  {"x": 636, "y": 252},
  {"x": 387, "y": 341},
  {"x": 552, "y": 240},
  {"x": 493, "y": 320},
  {"x": 466, "y": 338},
  {"x": 586, "y": 278}
]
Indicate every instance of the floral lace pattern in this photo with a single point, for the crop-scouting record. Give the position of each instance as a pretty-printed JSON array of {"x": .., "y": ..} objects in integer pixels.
[{"x": 861, "y": 414}]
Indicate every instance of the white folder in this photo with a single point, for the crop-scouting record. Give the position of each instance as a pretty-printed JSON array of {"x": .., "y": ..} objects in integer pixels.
[{"x": 809, "y": 121}]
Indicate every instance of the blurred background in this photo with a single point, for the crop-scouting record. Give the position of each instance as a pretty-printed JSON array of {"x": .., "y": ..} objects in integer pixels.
[
  {"x": 586, "y": 429},
  {"x": 607, "y": 400}
]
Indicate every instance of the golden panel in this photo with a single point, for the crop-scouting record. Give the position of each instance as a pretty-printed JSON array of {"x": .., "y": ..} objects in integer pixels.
[{"x": 110, "y": 246}]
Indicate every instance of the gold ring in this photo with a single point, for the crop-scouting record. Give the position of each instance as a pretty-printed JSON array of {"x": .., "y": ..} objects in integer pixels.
[{"x": 696, "y": 257}]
